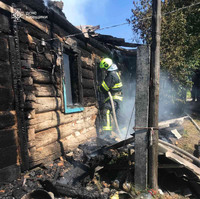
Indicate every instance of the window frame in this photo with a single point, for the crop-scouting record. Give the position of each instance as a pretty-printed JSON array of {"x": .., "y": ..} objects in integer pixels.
[{"x": 75, "y": 56}]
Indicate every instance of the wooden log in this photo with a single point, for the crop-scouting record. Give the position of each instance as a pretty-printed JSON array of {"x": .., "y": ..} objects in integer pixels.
[
  {"x": 49, "y": 136},
  {"x": 8, "y": 137},
  {"x": 8, "y": 156},
  {"x": 24, "y": 48},
  {"x": 88, "y": 63},
  {"x": 44, "y": 104},
  {"x": 6, "y": 99},
  {"x": 88, "y": 92},
  {"x": 88, "y": 84},
  {"x": 55, "y": 118},
  {"x": 46, "y": 160},
  {"x": 48, "y": 90},
  {"x": 31, "y": 134},
  {"x": 30, "y": 96},
  {"x": 5, "y": 75},
  {"x": 23, "y": 36},
  {"x": 42, "y": 152},
  {"x": 87, "y": 74},
  {"x": 85, "y": 53},
  {"x": 4, "y": 53},
  {"x": 5, "y": 23},
  {"x": 30, "y": 114},
  {"x": 38, "y": 75},
  {"x": 68, "y": 144},
  {"x": 27, "y": 81},
  {"x": 8, "y": 119},
  {"x": 26, "y": 56},
  {"x": 42, "y": 62}
]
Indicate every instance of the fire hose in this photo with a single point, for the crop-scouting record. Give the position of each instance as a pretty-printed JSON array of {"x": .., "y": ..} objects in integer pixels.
[{"x": 114, "y": 113}]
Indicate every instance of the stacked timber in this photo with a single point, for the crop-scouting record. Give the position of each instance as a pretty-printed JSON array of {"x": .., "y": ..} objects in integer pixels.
[{"x": 50, "y": 131}]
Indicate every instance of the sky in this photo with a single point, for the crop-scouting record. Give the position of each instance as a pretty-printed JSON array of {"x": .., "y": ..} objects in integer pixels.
[{"x": 101, "y": 12}]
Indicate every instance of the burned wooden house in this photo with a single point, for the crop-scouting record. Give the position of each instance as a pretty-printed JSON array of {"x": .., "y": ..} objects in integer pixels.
[{"x": 48, "y": 77}]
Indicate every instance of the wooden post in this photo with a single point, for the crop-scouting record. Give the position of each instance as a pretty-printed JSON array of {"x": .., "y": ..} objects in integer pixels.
[
  {"x": 154, "y": 94},
  {"x": 141, "y": 116}
]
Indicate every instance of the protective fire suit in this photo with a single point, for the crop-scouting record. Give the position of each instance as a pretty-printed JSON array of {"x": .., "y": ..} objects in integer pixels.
[{"x": 112, "y": 83}]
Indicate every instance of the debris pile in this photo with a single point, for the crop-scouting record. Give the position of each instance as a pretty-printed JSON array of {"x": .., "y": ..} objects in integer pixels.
[{"x": 90, "y": 172}]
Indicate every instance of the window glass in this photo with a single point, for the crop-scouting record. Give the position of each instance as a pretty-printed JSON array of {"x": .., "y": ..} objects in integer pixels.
[{"x": 68, "y": 86}]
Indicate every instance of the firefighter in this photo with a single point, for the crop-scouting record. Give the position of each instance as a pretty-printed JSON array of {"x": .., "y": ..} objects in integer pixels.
[{"x": 112, "y": 83}]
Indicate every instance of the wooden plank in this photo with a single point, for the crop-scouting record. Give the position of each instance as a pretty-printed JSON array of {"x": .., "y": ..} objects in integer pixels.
[
  {"x": 141, "y": 117},
  {"x": 87, "y": 83},
  {"x": 183, "y": 162}
]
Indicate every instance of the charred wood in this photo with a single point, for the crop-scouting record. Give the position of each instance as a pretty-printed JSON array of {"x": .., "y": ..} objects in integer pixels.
[
  {"x": 88, "y": 92},
  {"x": 38, "y": 75},
  {"x": 8, "y": 119},
  {"x": 79, "y": 192},
  {"x": 5, "y": 23},
  {"x": 30, "y": 97},
  {"x": 88, "y": 74},
  {"x": 42, "y": 90},
  {"x": 8, "y": 137},
  {"x": 87, "y": 84},
  {"x": 59, "y": 147},
  {"x": 8, "y": 156},
  {"x": 27, "y": 81},
  {"x": 6, "y": 99},
  {"x": 5, "y": 75},
  {"x": 4, "y": 53},
  {"x": 89, "y": 101},
  {"x": 44, "y": 104}
]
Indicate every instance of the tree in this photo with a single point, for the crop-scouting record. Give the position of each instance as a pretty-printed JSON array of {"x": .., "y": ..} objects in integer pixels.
[{"x": 180, "y": 38}]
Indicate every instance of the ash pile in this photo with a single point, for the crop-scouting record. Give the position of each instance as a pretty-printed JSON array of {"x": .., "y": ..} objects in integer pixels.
[
  {"x": 78, "y": 174},
  {"x": 93, "y": 172}
]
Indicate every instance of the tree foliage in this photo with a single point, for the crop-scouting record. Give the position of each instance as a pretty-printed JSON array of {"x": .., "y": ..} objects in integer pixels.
[{"x": 180, "y": 38}]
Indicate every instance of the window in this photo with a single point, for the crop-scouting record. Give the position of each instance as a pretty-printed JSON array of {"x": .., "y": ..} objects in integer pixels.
[{"x": 71, "y": 84}]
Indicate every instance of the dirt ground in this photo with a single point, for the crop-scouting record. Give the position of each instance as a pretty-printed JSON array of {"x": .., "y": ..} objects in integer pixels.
[{"x": 191, "y": 136}]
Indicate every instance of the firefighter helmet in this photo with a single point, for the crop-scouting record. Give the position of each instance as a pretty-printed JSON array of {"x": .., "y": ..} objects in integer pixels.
[{"x": 106, "y": 63}]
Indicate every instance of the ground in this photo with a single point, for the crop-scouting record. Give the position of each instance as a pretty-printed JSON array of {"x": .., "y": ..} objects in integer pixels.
[{"x": 191, "y": 136}]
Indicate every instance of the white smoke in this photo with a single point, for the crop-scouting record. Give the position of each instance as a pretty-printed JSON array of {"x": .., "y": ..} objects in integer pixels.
[
  {"x": 170, "y": 102},
  {"x": 46, "y": 2},
  {"x": 128, "y": 109}
]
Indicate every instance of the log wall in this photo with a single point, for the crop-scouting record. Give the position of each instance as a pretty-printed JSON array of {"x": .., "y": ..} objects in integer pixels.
[{"x": 50, "y": 131}]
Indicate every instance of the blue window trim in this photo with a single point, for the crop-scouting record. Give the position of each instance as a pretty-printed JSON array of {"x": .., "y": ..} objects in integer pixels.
[{"x": 67, "y": 109}]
